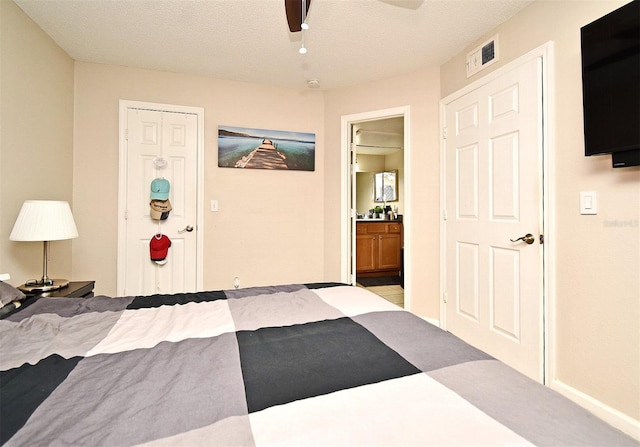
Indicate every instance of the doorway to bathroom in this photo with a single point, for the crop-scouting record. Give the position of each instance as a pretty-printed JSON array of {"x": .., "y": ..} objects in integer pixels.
[{"x": 375, "y": 202}]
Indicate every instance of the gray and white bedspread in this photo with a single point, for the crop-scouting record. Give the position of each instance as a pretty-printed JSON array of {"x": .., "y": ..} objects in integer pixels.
[{"x": 315, "y": 364}]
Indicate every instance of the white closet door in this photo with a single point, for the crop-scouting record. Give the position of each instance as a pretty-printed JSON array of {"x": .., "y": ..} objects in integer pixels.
[
  {"x": 493, "y": 195},
  {"x": 161, "y": 144}
]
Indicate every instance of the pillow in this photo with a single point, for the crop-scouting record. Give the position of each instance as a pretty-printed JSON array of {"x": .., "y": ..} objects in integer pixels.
[{"x": 8, "y": 294}]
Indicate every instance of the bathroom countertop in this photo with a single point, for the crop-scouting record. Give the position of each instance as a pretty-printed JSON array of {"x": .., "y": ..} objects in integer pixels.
[{"x": 376, "y": 220}]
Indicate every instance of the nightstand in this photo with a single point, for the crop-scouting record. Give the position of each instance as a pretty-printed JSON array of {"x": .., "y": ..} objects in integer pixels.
[{"x": 75, "y": 289}]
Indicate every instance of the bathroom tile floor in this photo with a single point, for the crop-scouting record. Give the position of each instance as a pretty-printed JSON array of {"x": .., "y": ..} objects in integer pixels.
[{"x": 393, "y": 294}]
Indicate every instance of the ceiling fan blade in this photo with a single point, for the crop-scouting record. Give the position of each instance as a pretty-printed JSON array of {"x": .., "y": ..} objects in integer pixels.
[{"x": 293, "y": 9}]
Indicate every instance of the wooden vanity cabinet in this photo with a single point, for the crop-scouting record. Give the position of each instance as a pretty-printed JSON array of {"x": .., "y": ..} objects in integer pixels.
[{"x": 378, "y": 248}]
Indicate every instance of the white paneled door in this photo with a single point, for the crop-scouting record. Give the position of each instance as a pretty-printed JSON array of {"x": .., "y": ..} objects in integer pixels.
[
  {"x": 159, "y": 144},
  {"x": 493, "y": 199}
]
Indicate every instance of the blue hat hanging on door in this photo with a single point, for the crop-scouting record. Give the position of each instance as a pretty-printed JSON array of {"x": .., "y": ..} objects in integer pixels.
[{"x": 160, "y": 189}]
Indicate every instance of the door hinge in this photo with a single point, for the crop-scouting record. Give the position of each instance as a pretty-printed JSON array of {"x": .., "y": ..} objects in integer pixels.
[
  {"x": 541, "y": 239},
  {"x": 126, "y": 214},
  {"x": 444, "y": 297},
  {"x": 444, "y": 214},
  {"x": 126, "y": 134},
  {"x": 352, "y": 213},
  {"x": 444, "y": 133}
]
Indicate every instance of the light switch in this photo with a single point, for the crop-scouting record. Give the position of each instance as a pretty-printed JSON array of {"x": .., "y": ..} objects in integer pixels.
[
  {"x": 588, "y": 202},
  {"x": 214, "y": 205}
]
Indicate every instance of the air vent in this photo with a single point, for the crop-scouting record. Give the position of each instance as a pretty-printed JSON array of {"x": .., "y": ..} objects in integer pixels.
[{"x": 483, "y": 56}]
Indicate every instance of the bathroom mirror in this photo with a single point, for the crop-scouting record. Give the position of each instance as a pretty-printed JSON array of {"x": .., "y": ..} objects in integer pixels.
[{"x": 385, "y": 186}]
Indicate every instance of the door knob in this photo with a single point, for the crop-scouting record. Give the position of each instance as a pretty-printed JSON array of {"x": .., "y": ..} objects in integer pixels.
[
  {"x": 528, "y": 238},
  {"x": 188, "y": 229}
]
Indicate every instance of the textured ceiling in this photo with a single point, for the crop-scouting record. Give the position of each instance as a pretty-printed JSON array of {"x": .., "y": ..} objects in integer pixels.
[{"x": 349, "y": 41}]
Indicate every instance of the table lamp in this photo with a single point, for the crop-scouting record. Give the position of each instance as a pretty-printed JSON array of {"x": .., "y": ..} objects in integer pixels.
[{"x": 44, "y": 220}]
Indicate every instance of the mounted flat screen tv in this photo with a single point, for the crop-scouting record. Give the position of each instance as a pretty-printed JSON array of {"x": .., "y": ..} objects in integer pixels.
[{"x": 611, "y": 85}]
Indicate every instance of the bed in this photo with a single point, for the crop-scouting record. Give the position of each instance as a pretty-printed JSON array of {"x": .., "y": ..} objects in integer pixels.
[{"x": 308, "y": 364}]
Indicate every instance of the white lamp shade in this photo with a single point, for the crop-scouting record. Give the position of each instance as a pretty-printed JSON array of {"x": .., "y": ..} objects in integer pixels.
[{"x": 44, "y": 220}]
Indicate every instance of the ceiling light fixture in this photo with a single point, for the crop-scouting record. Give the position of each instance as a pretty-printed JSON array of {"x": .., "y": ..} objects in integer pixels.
[
  {"x": 303, "y": 49},
  {"x": 303, "y": 23},
  {"x": 304, "y": 26},
  {"x": 313, "y": 83}
]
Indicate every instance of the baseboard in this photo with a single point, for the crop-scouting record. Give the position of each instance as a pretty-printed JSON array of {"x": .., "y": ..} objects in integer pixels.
[
  {"x": 433, "y": 321},
  {"x": 610, "y": 415}
]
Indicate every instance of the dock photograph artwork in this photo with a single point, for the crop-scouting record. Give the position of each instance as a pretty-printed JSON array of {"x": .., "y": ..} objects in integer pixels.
[{"x": 241, "y": 147}]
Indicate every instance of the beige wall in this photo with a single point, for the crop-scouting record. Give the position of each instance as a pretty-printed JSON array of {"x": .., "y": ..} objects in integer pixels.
[
  {"x": 264, "y": 237},
  {"x": 597, "y": 293},
  {"x": 36, "y": 138},
  {"x": 269, "y": 225},
  {"x": 370, "y": 163},
  {"x": 421, "y": 92}
]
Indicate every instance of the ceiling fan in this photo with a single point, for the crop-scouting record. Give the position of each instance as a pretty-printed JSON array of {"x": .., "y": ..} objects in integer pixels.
[
  {"x": 295, "y": 14},
  {"x": 296, "y": 17}
]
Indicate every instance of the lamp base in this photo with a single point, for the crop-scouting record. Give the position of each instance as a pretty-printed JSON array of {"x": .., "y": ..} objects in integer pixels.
[{"x": 34, "y": 287}]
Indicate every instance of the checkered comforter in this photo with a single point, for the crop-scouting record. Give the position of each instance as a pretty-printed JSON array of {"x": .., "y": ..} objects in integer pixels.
[{"x": 316, "y": 364}]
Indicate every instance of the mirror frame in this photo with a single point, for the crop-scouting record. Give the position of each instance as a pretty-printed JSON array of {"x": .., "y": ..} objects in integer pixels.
[{"x": 382, "y": 181}]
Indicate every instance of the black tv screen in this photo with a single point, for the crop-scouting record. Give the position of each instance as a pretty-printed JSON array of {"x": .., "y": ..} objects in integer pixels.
[{"x": 611, "y": 81}]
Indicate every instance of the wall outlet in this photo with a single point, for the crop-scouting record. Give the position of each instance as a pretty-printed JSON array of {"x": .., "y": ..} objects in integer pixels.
[{"x": 236, "y": 283}]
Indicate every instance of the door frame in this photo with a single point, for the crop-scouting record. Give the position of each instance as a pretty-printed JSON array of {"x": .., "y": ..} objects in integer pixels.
[
  {"x": 124, "y": 105},
  {"x": 546, "y": 186},
  {"x": 347, "y": 227}
]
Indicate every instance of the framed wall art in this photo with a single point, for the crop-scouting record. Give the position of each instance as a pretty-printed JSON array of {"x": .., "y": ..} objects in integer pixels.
[{"x": 249, "y": 148}]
